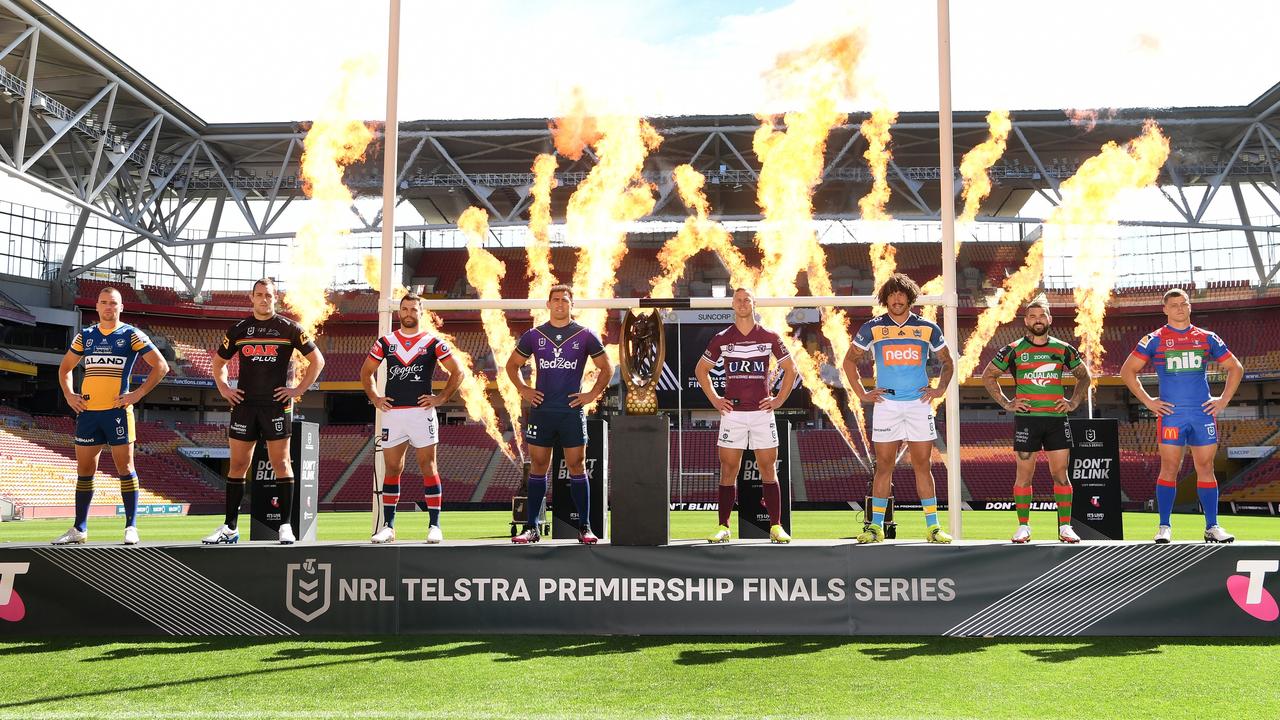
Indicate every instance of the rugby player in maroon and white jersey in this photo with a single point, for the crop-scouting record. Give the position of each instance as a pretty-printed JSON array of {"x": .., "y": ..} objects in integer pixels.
[{"x": 746, "y": 407}]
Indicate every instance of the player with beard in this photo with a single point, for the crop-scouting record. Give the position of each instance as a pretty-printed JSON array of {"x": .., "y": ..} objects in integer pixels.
[
  {"x": 262, "y": 402},
  {"x": 901, "y": 343},
  {"x": 409, "y": 411},
  {"x": 559, "y": 348},
  {"x": 1186, "y": 412},
  {"x": 1037, "y": 362}
]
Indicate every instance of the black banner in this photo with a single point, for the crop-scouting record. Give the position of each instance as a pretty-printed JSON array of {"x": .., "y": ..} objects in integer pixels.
[
  {"x": 264, "y": 504},
  {"x": 1094, "y": 471},
  {"x": 686, "y": 342},
  {"x": 749, "y": 589},
  {"x": 753, "y": 516},
  {"x": 564, "y": 515}
]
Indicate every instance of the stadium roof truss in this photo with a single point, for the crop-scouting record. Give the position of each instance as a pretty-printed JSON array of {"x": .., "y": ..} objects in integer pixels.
[{"x": 85, "y": 127}]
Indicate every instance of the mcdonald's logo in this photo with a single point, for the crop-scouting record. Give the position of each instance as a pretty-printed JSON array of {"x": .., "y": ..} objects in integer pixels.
[{"x": 1170, "y": 433}]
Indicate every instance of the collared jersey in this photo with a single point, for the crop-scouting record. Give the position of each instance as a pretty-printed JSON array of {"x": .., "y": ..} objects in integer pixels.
[
  {"x": 901, "y": 352},
  {"x": 1181, "y": 358},
  {"x": 265, "y": 348},
  {"x": 411, "y": 362},
  {"x": 560, "y": 356},
  {"x": 1037, "y": 372},
  {"x": 745, "y": 363},
  {"x": 108, "y": 360}
]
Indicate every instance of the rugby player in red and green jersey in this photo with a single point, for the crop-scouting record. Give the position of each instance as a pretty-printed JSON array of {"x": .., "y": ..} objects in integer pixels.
[
  {"x": 1186, "y": 412},
  {"x": 1037, "y": 362}
]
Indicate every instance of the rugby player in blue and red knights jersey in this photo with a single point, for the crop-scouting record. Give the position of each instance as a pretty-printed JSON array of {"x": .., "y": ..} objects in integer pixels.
[
  {"x": 746, "y": 408},
  {"x": 1186, "y": 412},
  {"x": 104, "y": 407},
  {"x": 262, "y": 402},
  {"x": 560, "y": 348},
  {"x": 409, "y": 411}
]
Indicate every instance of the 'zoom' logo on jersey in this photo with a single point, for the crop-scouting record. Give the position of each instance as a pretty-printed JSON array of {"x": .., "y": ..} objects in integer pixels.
[
  {"x": 902, "y": 355},
  {"x": 110, "y": 360},
  {"x": 261, "y": 350},
  {"x": 1183, "y": 361}
]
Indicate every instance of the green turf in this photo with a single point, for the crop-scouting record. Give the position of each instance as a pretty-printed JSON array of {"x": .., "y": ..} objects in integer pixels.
[
  {"x": 654, "y": 677},
  {"x": 811, "y": 524}
]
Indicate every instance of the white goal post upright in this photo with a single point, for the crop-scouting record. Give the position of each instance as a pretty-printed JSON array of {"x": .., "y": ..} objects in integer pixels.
[
  {"x": 950, "y": 324},
  {"x": 390, "y": 170}
]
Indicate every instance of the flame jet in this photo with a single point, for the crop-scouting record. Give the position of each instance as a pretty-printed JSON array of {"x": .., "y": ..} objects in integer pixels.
[
  {"x": 539, "y": 271},
  {"x": 485, "y": 273},
  {"x": 875, "y": 130},
  {"x": 698, "y": 233}
]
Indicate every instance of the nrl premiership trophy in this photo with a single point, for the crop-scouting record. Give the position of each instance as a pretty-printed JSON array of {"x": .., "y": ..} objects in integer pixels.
[{"x": 644, "y": 348}]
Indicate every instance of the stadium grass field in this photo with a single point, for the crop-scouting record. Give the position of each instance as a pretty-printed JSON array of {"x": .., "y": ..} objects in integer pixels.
[
  {"x": 686, "y": 525},
  {"x": 637, "y": 677}
]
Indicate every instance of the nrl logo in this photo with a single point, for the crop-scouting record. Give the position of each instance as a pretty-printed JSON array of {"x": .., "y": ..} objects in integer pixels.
[{"x": 307, "y": 588}]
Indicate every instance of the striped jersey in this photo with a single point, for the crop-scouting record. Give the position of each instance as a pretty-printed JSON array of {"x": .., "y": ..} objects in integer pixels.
[
  {"x": 1181, "y": 358},
  {"x": 108, "y": 362},
  {"x": 901, "y": 353},
  {"x": 744, "y": 360},
  {"x": 1037, "y": 371},
  {"x": 411, "y": 363}
]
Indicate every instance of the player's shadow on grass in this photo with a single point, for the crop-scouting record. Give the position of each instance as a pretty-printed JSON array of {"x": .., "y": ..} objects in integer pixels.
[{"x": 758, "y": 650}]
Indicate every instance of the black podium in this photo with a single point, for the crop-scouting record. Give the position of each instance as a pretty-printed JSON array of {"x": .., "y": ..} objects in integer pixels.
[
  {"x": 753, "y": 516},
  {"x": 564, "y": 516},
  {"x": 1094, "y": 472},
  {"x": 264, "y": 507},
  {"x": 639, "y": 459}
]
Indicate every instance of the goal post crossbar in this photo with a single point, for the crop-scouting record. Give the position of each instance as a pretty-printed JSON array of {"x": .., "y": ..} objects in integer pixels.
[{"x": 680, "y": 303}]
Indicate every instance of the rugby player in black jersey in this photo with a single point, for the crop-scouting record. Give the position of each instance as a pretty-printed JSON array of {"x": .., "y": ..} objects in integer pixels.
[{"x": 262, "y": 402}]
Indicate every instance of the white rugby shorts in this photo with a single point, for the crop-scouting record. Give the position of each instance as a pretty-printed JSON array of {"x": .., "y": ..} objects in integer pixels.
[
  {"x": 910, "y": 420},
  {"x": 748, "y": 430},
  {"x": 416, "y": 425}
]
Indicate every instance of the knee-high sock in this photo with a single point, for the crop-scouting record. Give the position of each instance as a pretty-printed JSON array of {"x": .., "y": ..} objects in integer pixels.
[
  {"x": 773, "y": 502},
  {"x": 580, "y": 489},
  {"x": 433, "y": 492},
  {"x": 1166, "y": 492},
  {"x": 1022, "y": 502},
  {"x": 390, "y": 498},
  {"x": 879, "y": 505},
  {"x": 930, "y": 507},
  {"x": 1062, "y": 495},
  {"x": 1208, "y": 492},
  {"x": 235, "y": 493},
  {"x": 728, "y": 495},
  {"x": 129, "y": 495},
  {"x": 537, "y": 494},
  {"x": 84, "y": 496},
  {"x": 284, "y": 486}
]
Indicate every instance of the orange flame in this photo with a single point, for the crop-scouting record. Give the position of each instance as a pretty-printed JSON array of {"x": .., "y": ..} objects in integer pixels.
[
  {"x": 698, "y": 233},
  {"x": 373, "y": 276},
  {"x": 791, "y": 167},
  {"x": 975, "y": 164},
  {"x": 539, "y": 271},
  {"x": 1084, "y": 219},
  {"x": 335, "y": 140},
  {"x": 613, "y": 194},
  {"x": 485, "y": 273},
  {"x": 872, "y": 206}
]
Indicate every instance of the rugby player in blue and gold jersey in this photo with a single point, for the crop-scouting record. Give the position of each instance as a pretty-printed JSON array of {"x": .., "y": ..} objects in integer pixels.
[{"x": 104, "y": 407}]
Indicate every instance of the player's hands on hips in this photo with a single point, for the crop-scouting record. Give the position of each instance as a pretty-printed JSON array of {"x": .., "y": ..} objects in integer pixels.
[
  {"x": 1214, "y": 405},
  {"x": 579, "y": 399},
  {"x": 232, "y": 395},
  {"x": 1158, "y": 406},
  {"x": 77, "y": 403},
  {"x": 1064, "y": 405},
  {"x": 531, "y": 395},
  {"x": 127, "y": 399},
  {"x": 723, "y": 404},
  {"x": 929, "y": 393},
  {"x": 381, "y": 402},
  {"x": 426, "y": 401},
  {"x": 873, "y": 396},
  {"x": 770, "y": 403},
  {"x": 285, "y": 394},
  {"x": 1019, "y": 405}
]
